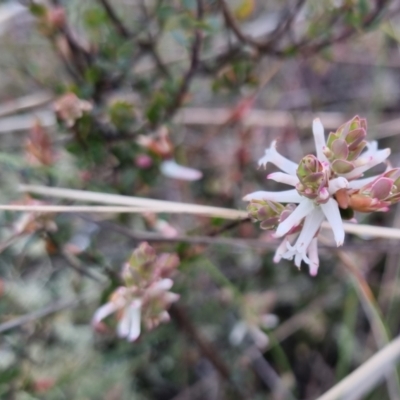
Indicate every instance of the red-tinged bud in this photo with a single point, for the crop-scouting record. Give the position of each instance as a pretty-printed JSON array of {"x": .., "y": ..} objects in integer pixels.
[
  {"x": 345, "y": 145},
  {"x": 313, "y": 176},
  {"x": 267, "y": 212},
  {"x": 158, "y": 143},
  {"x": 362, "y": 203},
  {"x": 70, "y": 108}
]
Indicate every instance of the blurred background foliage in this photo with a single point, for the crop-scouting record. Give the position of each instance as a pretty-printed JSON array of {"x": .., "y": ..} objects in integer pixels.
[{"x": 98, "y": 95}]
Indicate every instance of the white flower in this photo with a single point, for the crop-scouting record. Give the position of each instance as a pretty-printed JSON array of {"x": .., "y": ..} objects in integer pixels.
[
  {"x": 171, "y": 169},
  {"x": 243, "y": 328},
  {"x": 130, "y": 313},
  {"x": 312, "y": 212},
  {"x": 133, "y": 304}
]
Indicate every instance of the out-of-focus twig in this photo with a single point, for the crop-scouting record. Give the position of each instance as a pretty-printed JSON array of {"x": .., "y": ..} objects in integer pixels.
[
  {"x": 43, "y": 312},
  {"x": 194, "y": 62},
  {"x": 119, "y": 26},
  {"x": 182, "y": 319}
]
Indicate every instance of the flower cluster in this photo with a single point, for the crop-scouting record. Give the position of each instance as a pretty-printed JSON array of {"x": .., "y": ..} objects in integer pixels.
[
  {"x": 70, "y": 108},
  {"x": 144, "y": 295},
  {"x": 326, "y": 186},
  {"x": 160, "y": 145}
]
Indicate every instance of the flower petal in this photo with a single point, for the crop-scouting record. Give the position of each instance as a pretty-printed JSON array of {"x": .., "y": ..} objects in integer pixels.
[
  {"x": 260, "y": 338},
  {"x": 319, "y": 139},
  {"x": 103, "y": 312},
  {"x": 303, "y": 209},
  {"x": 284, "y": 178},
  {"x": 313, "y": 257},
  {"x": 238, "y": 333},
  {"x": 359, "y": 183},
  {"x": 372, "y": 160},
  {"x": 124, "y": 324},
  {"x": 337, "y": 184},
  {"x": 332, "y": 214},
  {"x": 282, "y": 248},
  {"x": 286, "y": 196},
  {"x": 311, "y": 225},
  {"x": 135, "y": 317},
  {"x": 273, "y": 157},
  {"x": 171, "y": 169},
  {"x": 163, "y": 284}
]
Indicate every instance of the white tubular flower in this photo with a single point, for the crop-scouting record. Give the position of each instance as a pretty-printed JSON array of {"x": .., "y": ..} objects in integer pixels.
[
  {"x": 319, "y": 139},
  {"x": 129, "y": 325},
  {"x": 171, "y": 169},
  {"x": 145, "y": 297},
  {"x": 130, "y": 313},
  {"x": 317, "y": 180},
  {"x": 273, "y": 157}
]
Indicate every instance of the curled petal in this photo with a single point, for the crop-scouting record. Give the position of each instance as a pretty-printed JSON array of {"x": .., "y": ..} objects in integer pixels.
[
  {"x": 332, "y": 214},
  {"x": 282, "y": 248},
  {"x": 303, "y": 209},
  {"x": 337, "y": 184},
  {"x": 284, "y": 178},
  {"x": 310, "y": 228},
  {"x": 286, "y": 196},
  {"x": 319, "y": 138},
  {"x": 171, "y": 169},
  {"x": 103, "y": 312},
  {"x": 273, "y": 157}
]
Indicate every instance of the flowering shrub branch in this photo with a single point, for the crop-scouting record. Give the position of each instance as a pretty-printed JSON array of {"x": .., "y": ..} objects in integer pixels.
[{"x": 324, "y": 186}]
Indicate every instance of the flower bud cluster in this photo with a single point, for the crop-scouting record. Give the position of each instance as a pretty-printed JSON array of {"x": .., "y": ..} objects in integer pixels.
[
  {"x": 324, "y": 185},
  {"x": 268, "y": 213},
  {"x": 313, "y": 179},
  {"x": 144, "y": 296},
  {"x": 344, "y": 146}
]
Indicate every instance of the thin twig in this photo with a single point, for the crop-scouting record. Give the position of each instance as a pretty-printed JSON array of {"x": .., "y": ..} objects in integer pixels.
[
  {"x": 268, "y": 375},
  {"x": 43, "y": 312},
  {"x": 194, "y": 62},
  {"x": 119, "y": 26},
  {"x": 181, "y": 317},
  {"x": 71, "y": 260}
]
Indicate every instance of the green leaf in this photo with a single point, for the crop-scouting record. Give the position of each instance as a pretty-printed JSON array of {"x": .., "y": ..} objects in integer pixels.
[
  {"x": 6, "y": 376},
  {"x": 38, "y": 10},
  {"x": 95, "y": 18}
]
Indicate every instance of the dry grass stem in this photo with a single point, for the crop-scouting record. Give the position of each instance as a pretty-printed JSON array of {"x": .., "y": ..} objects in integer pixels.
[
  {"x": 140, "y": 204},
  {"x": 367, "y": 376}
]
